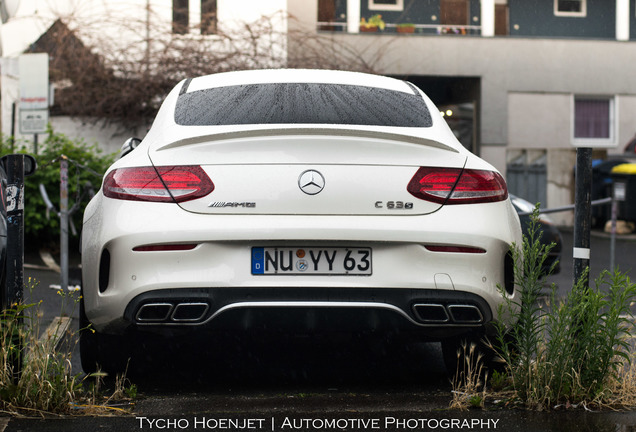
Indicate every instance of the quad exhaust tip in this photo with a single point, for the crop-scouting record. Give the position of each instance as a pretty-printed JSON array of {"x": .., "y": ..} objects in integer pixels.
[
  {"x": 432, "y": 313},
  {"x": 154, "y": 313}
]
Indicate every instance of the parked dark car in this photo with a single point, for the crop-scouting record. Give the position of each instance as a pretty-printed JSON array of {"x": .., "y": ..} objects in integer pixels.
[
  {"x": 630, "y": 147},
  {"x": 549, "y": 232},
  {"x": 3, "y": 233}
]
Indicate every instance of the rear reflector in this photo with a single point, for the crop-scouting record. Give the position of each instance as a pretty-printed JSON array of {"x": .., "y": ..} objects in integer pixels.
[
  {"x": 158, "y": 184},
  {"x": 165, "y": 247},
  {"x": 455, "y": 249},
  {"x": 457, "y": 186}
]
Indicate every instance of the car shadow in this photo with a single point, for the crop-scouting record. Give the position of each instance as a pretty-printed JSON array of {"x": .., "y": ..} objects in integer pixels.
[{"x": 285, "y": 362}]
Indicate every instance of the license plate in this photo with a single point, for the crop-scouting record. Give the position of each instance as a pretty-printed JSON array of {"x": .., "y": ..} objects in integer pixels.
[{"x": 311, "y": 261}]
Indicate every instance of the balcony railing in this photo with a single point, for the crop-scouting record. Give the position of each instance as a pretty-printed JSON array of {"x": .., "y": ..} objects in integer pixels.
[{"x": 417, "y": 29}]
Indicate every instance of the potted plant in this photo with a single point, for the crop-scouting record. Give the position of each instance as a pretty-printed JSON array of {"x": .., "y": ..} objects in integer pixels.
[
  {"x": 406, "y": 28},
  {"x": 372, "y": 24}
]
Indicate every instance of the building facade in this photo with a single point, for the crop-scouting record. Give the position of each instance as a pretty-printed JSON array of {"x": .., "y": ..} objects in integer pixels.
[
  {"x": 524, "y": 81},
  {"x": 521, "y": 82}
]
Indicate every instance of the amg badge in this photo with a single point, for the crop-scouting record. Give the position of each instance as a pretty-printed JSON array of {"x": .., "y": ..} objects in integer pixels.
[{"x": 232, "y": 204}]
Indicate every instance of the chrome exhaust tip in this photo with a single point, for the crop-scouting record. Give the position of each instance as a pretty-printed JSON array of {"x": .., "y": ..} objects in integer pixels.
[
  {"x": 431, "y": 313},
  {"x": 154, "y": 312},
  {"x": 189, "y": 312},
  {"x": 466, "y": 314}
]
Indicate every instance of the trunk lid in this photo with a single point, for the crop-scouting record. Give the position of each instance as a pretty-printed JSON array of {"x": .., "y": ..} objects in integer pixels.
[{"x": 271, "y": 172}]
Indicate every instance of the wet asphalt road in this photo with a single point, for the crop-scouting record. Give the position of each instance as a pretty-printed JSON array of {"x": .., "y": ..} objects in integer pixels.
[
  {"x": 298, "y": 384},
  {"x": 624, "y": 253}
]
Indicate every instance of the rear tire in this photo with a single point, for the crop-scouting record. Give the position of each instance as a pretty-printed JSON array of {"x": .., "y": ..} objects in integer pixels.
[{"x": 101, "y": 352}]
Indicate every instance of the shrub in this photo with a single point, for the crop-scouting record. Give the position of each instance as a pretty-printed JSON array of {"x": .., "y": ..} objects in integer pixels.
[{"x": 87, "y": 165}]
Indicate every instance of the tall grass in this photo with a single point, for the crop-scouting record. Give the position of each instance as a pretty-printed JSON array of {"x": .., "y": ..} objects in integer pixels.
[
  {"x": 469, "y": 380},
  {"x": 33, "y": 376},
  {"x": 36, "y": 377},
  {"x": 572, "y": 350}
]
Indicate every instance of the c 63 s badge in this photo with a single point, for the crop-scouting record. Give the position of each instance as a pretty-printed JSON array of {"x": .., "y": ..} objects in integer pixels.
[
  {"x": 394, "y": 205},
  {"x": 224, "y": 204}
]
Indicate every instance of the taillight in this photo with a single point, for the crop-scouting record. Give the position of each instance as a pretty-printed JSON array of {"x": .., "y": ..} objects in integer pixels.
[
  {"x": 158, "y": 184},
  {"x": 457, "y": 185}
]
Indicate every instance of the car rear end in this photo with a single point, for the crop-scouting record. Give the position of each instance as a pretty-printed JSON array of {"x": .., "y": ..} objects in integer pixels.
[{"x": 298, "y": 226}]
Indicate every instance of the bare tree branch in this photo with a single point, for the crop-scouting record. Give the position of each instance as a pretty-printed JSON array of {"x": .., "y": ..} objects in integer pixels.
[{"x": 123, "y": 79}]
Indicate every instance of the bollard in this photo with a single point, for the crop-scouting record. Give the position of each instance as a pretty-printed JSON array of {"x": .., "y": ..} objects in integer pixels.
[
  {"x": 582, "y": 214},
  {"x": 16, "y": 166}
]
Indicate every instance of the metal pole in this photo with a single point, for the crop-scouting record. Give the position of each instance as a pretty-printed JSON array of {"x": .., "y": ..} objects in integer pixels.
[
  {"x": 12, "y": 139},
  {"x": 15, "y": 231},
  {"x": 618, "y": 194},
  {"x": 613, "y": 231},
  {"x": 582, "y": 214},
  {"x": 598, "y": 202},
  {"x": 63, "y": 223}
]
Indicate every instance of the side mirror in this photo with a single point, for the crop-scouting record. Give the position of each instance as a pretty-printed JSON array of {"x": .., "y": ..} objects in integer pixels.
[{"x": 129, "y": 146}]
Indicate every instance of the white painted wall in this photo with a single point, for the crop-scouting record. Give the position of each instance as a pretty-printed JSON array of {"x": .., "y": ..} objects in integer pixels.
[
  {"x": 626, "y": 121},
  {"x": 539, "y": 120},
  {"x": 33, "y": 17},
  {"x": 102, "y": 19}
]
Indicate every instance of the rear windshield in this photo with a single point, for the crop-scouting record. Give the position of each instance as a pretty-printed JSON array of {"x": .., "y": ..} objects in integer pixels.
[{"x": 301, "y": 103}]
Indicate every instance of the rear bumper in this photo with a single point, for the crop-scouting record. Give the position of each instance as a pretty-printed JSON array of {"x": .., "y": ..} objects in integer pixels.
[
  {"x": 308, "y": 309},
  {"x": 212, "y": 285}
]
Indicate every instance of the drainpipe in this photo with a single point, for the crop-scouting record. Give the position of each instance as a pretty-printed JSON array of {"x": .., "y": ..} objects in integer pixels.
[
  {"x": 353, "y": 16},
  {"x": 488, "y": 18},
  {"x": 622, "y": 20}
]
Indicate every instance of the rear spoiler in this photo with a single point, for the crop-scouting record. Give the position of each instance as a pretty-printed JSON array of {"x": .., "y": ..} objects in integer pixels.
[{"x": 320, "y": 131}]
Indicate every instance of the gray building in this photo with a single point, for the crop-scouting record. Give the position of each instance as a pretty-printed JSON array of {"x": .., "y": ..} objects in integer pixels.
[{"x": 521, "y": 82}]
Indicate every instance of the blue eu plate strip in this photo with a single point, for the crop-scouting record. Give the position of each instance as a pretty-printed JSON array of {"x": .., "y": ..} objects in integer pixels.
[{"x": 258, "y": 260}]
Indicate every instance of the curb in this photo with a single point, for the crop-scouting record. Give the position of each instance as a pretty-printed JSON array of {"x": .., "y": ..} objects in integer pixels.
[{"x": 49, "y": 261}]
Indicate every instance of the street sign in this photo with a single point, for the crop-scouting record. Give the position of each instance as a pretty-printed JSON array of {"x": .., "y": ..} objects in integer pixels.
[
  {"x": 33, "y": 121},
  {"x": 619, "y": 191},
  {"x": 34, "y": 81}
]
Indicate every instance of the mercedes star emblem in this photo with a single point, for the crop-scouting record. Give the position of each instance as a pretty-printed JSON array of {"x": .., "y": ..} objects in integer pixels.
[{"x": 311, "y": 182}]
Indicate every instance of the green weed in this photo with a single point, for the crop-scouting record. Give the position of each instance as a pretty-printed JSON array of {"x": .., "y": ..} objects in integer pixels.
[{"x": 572, "y": 351}]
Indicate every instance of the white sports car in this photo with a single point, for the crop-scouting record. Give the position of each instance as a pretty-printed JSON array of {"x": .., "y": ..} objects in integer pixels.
[{"x": 298, "y": 200}]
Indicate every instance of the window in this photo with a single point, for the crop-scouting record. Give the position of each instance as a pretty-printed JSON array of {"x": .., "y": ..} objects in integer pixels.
[
  {"x": 572, "y": 8},
  {"x": 301, "y": 103},
  {"x": 208, "y": 17},
  {"x": 180, "y": 16},
  {"x": 388, "y": 5},
  {"x": 593, "y": 120},
  {"x": 454, "y": 12}
]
